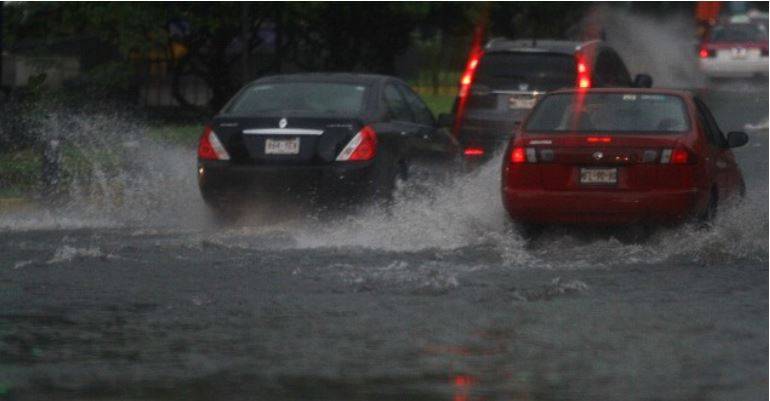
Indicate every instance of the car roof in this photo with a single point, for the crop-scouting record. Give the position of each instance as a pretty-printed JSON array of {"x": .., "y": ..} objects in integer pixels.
[
  {"x": 537, "y": 45},
  {"x": 652, "y": 91},
  {"x": 335, "y": 77}
]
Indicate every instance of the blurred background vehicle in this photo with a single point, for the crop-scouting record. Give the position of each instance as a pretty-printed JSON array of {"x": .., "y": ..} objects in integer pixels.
[
  {"x": 620, "y": 156},
  {"x": 340, "y": 136},
  {"x": 737, "y": 49},
  {"x": 501, "y": 84}
]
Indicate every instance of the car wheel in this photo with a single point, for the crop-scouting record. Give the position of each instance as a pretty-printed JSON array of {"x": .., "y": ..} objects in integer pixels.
[{"x": 383, "y": 180}]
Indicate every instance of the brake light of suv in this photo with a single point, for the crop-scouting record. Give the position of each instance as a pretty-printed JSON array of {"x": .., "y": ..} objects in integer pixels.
[
  {"x": 468, "y": 74},
  {"x": 583, "y": 73}
]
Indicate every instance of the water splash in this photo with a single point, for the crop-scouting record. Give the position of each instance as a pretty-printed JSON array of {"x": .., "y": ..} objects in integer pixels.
[
  {"x": 113, "y": 174},
  {"x": 130, "y": 180}
]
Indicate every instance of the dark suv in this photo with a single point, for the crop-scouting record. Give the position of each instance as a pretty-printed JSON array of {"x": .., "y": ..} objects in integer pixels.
[{"x": 502, "y": 83}]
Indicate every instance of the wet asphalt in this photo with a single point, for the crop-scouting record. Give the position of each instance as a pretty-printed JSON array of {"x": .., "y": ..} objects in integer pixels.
[{"x": 438, "y": 300}]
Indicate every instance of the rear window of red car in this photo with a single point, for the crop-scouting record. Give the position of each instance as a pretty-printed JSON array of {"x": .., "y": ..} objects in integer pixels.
[{"x": 609, "y": 112}]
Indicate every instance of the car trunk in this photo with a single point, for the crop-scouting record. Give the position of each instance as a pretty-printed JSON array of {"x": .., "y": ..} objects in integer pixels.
[
  {"x": 290, "y": 140},
  {"x": 619, "y": 162}
]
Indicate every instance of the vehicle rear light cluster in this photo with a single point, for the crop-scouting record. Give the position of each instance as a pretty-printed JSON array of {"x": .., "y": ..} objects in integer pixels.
[
  {"x": 210, "y": 147},
  {"x": 677, "y": 155},
  {"x": 362, "y": 147},
  {"x": 523, "y": 155},
  {"x": 599, "y": 139},
  {"x": 583, "y": 73},
  {"x": 473, "y": 152},
  {"x": 470, "y": 71},
  {"x": 764, "y": 52},
  {"x": 707, "y": 53}
]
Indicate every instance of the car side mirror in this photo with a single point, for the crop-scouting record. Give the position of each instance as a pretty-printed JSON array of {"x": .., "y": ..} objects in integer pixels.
[
  {"x": 737, "y": 139},
  {"x": 445, "y": 120},
  {"x": 643, "y": 81}
]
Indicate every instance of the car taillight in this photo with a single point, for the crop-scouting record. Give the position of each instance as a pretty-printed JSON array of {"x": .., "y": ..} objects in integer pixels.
[
  {"x": 764, "y": 52},
  {"x": 473, "y": 152},
  {"x": 521, "y": 155},
  {"x": 599, "y": 139},
  {"x": 678, "y": 155},
  {"x": 583, "y": 73},
  {"x": 210, "y": 148},
  {"x": 707, "y": 53},
  {"x": 362, "y": 147}
]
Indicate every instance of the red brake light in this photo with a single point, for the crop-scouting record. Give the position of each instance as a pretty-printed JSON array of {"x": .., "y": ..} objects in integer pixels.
[
  {"x": 470, "y": 71},
  {"x": 679, "y": 156},
  {"x": 473, "y": 152},
  {"x": 599, "y": 139},
  {"x": 363, "y": 146},
  {"x": 518, "y": 155},
  {"x": 209, "y": 146},
  {"x": 583, "y": 74},
  {"x": 706, "y": 53}
]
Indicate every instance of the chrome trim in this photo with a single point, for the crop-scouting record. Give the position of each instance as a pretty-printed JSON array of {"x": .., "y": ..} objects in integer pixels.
[
  {"x": 282, "y": 131},
  {"x": 504, "y": 92}
]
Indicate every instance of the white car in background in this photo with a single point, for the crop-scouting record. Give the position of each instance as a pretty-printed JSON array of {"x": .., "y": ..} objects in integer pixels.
[{"x": 735, "y": 50}]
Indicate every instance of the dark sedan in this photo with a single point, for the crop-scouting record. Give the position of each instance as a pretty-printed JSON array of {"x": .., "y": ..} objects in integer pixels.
[{"x": 342, "y": 136}]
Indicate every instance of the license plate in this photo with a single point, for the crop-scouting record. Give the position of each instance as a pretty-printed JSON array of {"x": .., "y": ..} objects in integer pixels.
[
  {"x": 282, "y": 146},
  {"x": 739, "y": 53},
  {"x": 521, "y": 102},
  {"x": 604, "y": 176}
]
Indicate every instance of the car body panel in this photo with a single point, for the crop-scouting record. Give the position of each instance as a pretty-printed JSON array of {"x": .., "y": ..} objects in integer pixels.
[
  {"x": 320, "y": 138},
  {"x": 646, "y": 191},
  {"x": 493, "y": 108},
  {"x": 734, "y": 58}
]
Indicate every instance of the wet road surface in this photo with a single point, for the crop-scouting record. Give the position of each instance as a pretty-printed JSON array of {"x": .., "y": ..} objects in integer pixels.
[{"x": 139, "y": 299}]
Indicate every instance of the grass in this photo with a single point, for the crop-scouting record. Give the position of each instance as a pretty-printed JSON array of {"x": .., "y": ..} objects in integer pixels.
[
  {"x": 19, "y": 172},
  {"x": 185, "y": 135},
  {"x": 439, "y": 104}
]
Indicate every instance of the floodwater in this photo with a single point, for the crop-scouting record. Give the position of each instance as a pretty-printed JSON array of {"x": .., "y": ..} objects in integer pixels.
[{"x": 126, "y": 292}]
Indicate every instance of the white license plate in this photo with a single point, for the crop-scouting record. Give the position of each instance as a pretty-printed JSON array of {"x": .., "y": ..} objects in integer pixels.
[
  {"x": 282, "y": 146},
  {"x": 521, "y": 102},
  {"x": 599, "y": 176}
]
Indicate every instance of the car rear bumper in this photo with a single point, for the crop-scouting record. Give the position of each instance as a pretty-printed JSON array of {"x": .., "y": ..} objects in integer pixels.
[
  {"x": 603, "y": 207},
  {"x": 226, "y": 177},
  {"x": 718, "y": 68},
  {"x": 488, "y": 131}
]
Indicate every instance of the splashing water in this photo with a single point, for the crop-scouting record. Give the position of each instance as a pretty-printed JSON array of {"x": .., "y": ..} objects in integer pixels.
[
  {"x": 113, "y": 174},
  {"x": 129, "y": 180}
]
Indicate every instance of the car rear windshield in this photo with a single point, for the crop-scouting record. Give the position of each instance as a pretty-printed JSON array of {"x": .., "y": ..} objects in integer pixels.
[
  {"x": 526, "y": 71},
  {"x": 738, "y": 33},
  {"x": 316, "y": 98},
  {"x": 610, "y": 112}
]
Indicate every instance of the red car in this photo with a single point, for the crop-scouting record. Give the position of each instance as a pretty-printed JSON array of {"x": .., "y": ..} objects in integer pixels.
[{"x": 619, "y": 156}]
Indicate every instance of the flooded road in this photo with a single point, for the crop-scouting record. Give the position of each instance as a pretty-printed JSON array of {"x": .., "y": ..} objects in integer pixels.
[{"x": 130, "y": 295}]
